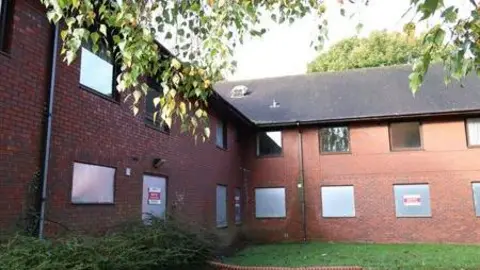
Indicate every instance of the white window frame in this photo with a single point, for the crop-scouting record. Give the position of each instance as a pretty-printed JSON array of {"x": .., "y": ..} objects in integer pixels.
[
  {"x": 85, "y": 181},
  {"x": 329, "y": 195}
]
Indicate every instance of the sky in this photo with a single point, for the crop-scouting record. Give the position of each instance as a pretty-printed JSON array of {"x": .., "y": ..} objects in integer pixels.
[{"x": 285, "y": 49}]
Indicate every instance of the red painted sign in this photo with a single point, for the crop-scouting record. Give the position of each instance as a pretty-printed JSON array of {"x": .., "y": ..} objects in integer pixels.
[
  {"x": 412, "y": 200},
  {"x": 154, "y": 195}
]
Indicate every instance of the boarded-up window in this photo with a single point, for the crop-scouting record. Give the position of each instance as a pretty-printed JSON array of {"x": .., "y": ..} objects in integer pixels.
[
  {"x": 238, "y": 206},
  {"x": 270, "y": 203},
  {"x": 338, "y": 201},
  {"x": 269, "y": 143},
  {"x": 92, "y": 184},
  {"x": 405, "y": 135},
  {"x": 476, "y": 197},
  {"x": 334, "y": 139},
  {"x": 221, "y": 206},
  {"x": 412, "y": 200},
  {"x": 473, "y": 131}
]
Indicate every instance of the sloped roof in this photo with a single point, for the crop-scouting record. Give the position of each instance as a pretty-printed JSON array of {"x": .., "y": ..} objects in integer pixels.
[{"x": 357, "y": 94}]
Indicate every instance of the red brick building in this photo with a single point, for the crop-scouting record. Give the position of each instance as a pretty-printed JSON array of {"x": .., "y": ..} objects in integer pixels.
[{"x": 348, "y": 156}]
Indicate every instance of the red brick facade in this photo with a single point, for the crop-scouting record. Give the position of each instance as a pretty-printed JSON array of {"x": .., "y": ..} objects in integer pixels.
[
  {"x": 445, "y": 163},
  {"x": 92, "y": 129}
]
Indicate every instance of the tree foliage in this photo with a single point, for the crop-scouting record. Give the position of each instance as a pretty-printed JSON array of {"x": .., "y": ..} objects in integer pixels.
[
  {"x": 380, "y": 48},
  {"x": 206, "y": 32}
]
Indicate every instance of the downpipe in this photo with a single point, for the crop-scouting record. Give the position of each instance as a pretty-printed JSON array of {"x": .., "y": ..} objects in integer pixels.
[
  {"x": 48, "y": 139},
  {"x": 301, "y": 181}
]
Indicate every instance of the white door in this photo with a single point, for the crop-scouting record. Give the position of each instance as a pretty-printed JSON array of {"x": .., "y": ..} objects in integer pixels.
[{"x": 154, "y": 198}]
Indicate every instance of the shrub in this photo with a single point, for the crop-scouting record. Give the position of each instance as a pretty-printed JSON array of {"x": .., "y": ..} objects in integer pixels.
[{"x": 160, "y": 245}]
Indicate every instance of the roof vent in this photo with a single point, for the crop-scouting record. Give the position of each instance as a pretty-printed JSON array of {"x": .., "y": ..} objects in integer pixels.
[
  {"x": 239, "y": 91},
  {"x": 275, "y": 104}
]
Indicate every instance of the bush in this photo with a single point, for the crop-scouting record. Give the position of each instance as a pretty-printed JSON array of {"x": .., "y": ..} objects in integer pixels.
[{"x": 161, "y": 245}]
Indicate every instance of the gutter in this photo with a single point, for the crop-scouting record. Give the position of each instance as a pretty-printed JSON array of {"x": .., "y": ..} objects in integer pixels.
[
  {"x": 365, "y": 119},
  {"x": 301, "y": 181},
  {"x": 46, "y": 158}
]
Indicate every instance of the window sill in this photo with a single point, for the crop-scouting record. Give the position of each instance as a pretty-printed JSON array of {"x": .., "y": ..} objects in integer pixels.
[
  {"x": 270, "y": 156},
  {"x": 335, "y": 153},
  {"x": 354, "y": 217},
  {"x": 238, "y": 224},
  {"x": 222, "y": 227},
  {"x": 157, "y": 128},
  {"x": 474, "y": 146},
  {"x": 92, "y": 203},
  {"x": 222, "y": 148},
  {"x": 5, "y": 54},
  {"x": 260, "y": 218},
  {"x": 95, "y": 92},
  {"x": 407, "y": 217},
  {"x": 407, "y": 149}
]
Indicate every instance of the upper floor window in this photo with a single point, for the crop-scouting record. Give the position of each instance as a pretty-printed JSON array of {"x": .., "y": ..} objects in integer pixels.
[
  {"x": 221, "y": 134},
  {"x": 5, "y": 6},
  {"x": 97, "y": 70},
  {"x": 150, "y": 109},
  {"x": 334, "y": 140},
  {"x": 405, "y": 135},
  {"x": 473, "y": 132},
  {"x": 269, "y": 143}
]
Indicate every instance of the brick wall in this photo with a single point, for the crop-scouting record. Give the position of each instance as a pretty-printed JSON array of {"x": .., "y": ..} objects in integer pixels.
[
  {"x": 91, "y": 129},
  {"x": 446, "y": 164},
  {"x": 23, "y": 69}
]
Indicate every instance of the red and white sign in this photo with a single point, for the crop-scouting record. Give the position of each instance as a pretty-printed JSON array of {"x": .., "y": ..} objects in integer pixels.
[
  {"x": 412, "y": 200},
  {"x": 154, "y": 195}
]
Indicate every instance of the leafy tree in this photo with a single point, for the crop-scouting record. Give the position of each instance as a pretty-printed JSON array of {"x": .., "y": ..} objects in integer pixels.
[
  {"x": 380, "y": 48},
  {"x": 207, "y": 31}
]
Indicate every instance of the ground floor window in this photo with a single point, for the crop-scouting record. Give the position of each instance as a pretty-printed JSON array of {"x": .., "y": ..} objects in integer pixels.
[
  {"x": 412, "y": 200},
  {"x": 238, "y": 207},
  {"x": 476, "y": 198},
  {"x": 338, "y": 201},
  {"x": 221, "y": 206},
  {"x": 270, "y": 203},
  {"x": 92, "y": 184}
]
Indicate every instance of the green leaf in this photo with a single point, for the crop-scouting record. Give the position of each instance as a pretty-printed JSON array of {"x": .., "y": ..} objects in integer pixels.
[
  {"x": 168, "y": 35},
  {"x": 342, "y": 12},
  {"x": 206, "y": 131},
  {"x": 103, "y": 29}
]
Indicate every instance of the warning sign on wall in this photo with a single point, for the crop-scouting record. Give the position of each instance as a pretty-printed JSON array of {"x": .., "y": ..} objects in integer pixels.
[
  {"x": 154, "y": 195},
  {"x": 412, "y": 200}
]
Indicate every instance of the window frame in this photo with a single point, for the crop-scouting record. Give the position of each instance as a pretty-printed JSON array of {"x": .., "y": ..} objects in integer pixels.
[
  {"x": 270, "y": 187},
  {"x": 320, "y": 140},
  {"x": 5, "y": 22},
  {"x": 338, "y": 186},
  {"x": 148, "y": 119},
  {"x": 400, "y": 149},
  {"x": 469, "y": 145},
  {"x": 412, "y": 216},
  {"x": 115, "y": 170},
  {"x": 257, "y": 145},
  {"x": 224, "y": 124},
  {"x": 216, "y": 206},
  {"x": 474, "y": 198}
]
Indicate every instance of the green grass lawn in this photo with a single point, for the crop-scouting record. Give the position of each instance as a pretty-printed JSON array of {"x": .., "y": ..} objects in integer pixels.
[{"x": 370, "y": 256}]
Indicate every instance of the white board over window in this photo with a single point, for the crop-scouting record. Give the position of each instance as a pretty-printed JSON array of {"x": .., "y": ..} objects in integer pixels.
[
  {"x": 338, "y": 201},
  {"x": 92, "y": 183},
  {"x": 221, "y": 206},
  {"x": 412, "y": 200},
  {"x": 270, "y": 203}
]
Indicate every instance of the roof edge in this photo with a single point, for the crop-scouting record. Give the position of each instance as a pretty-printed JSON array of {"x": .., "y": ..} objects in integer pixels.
[{"x": 365, "y": 119}]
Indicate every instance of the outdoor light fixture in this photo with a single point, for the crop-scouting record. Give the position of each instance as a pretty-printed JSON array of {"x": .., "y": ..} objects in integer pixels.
[{"x": 158, "y": 162}]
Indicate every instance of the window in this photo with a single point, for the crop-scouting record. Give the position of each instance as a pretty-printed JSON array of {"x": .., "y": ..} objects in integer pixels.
[
  {"x": 97, "y": 71},
  {"x": 412, "y": 200},
  {"x": 221, "y": 134},
  {"x": 335, "y": 140},
  {"x": 473, "y": 132},
  {"x": 269, "y": 143},
  {"x": 338, "y": 201},
  {"x": 150, "y": 109},
  {"x": 405, "y": 135},
  {"x": 476, "y": 198},
  {"x": 270, "y": 203},
  {"x": 92, "y": 184},
  {"x": 221, "y": 206},
  {"x": 4, "y": 8},
  {"x": 238, "y": 209}
]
